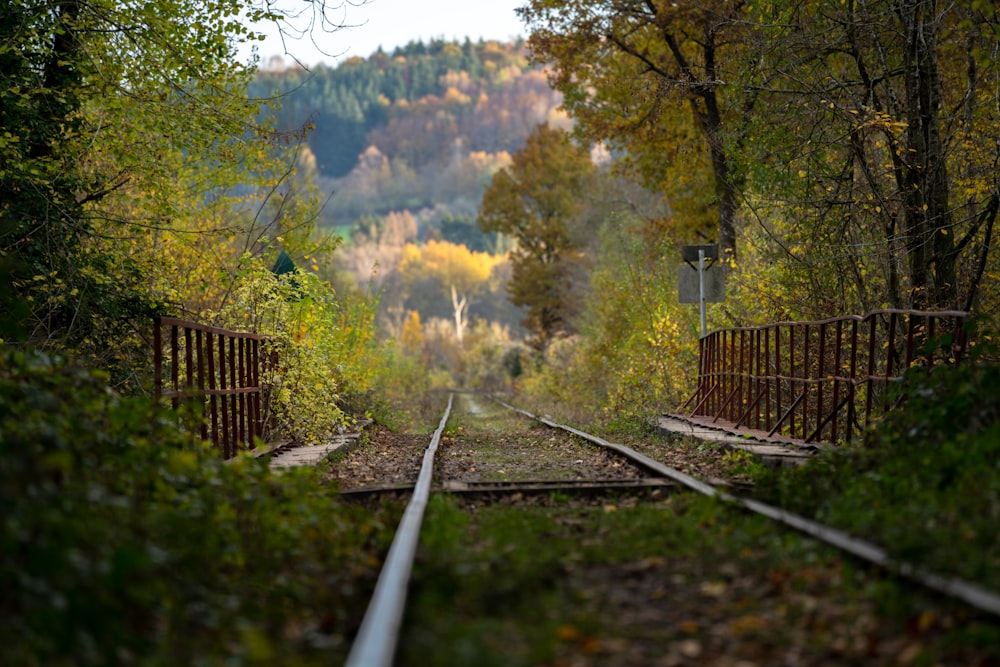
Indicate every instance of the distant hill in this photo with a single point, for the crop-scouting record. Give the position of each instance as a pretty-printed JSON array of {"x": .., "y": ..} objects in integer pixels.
[{"x": 420, "y": 129}]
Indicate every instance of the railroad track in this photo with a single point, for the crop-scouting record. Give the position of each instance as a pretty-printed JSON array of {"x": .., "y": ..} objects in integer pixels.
[{"x": 376, "y": 641}]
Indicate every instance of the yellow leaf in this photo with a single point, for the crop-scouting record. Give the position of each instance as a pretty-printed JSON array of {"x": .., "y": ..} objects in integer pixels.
[
  {"x": 745, "y": 624},
  {"x": 689, "y": 627},
  {"x": 713, "y": 588}
]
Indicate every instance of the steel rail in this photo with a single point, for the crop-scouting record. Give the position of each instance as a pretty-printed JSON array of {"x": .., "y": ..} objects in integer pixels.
[
  {"x": 967, "y": 592},
  {"x": 376, "y": 640}
]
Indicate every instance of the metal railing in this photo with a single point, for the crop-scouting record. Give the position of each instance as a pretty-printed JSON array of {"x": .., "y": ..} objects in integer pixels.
[
  {"x": 818, "y": 381},
  {"x": 216, "y": 370}
]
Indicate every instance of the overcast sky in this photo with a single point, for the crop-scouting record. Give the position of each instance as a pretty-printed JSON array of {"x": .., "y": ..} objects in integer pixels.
[{"x": 392, "y": 23}]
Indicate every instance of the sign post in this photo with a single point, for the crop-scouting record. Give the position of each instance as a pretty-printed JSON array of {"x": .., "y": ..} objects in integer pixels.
[{"x": 710, "y": 284}]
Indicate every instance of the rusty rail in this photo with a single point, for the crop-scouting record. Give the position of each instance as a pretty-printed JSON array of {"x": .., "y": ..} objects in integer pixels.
[
  {"x": 818, "y": 381},
  {"x": 216, "y": 370}
]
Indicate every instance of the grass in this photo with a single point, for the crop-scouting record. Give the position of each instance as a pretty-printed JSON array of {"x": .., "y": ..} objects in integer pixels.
[
  {"x": 688, "y": 581},
  {"x": 680, "y": 579},
  {"x": 926, "y": 483}
]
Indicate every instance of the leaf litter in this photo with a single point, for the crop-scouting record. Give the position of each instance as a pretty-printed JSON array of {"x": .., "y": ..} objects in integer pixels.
[{"x": 731, "y": 595}]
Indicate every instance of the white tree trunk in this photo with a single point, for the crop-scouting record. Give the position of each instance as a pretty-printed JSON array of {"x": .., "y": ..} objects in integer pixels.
[{"x": 459, "y": 305}]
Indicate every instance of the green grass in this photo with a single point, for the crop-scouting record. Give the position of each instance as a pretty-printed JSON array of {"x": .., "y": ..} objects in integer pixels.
[
  {"x": 564, "y": 584},
  {"x": 926, "y": 483},
  {"x": 593, "y": 585}
]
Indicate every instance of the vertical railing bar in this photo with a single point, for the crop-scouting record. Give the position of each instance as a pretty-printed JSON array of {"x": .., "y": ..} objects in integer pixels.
[
  {"x": 223, "y": 398},
  {"x": 712, "y": 406},
  {"x": 777, "y": 372},
  {"x": 157, "y": 359},
  {"x": 244, "y": 411},
  {"x": 852, "y": 385},
  {"x": 188, "y": 360},
  {"x": 234, "y": 400},
  {"x": 891, "y": 347},
  {"x": 174, "y": 370},
  {"x": 189, "y": 394},
  {"x": 870, "y": 380},
  {"x": 200, "y": 348},
  {"x": 820, "y": 367},
  {"x": 805, "y": 374},
  {"x": 931, "y": 322},
  {"x": 889, "y": 367},
  {"x": 792, "y": 383},
  {"x": 838, "y": 345},
  {"x": 256, "y": 400},
  {"x": 702, "y": 373},
  {"x": 770, "y": 382},
  {"x": 703, "y": 365},
  {"x": 212, "y": 386},
  {"x": 737, "y": 405},
  {"x": 758, "y": 381}
]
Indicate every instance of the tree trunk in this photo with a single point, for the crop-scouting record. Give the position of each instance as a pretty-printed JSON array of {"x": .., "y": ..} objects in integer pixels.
[
  {"x": 459, "y": 306},
  {"x": 924, "y": 186}
]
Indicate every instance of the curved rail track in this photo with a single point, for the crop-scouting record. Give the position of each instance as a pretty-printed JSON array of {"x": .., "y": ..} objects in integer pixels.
[{"x": 376, "y": 640}]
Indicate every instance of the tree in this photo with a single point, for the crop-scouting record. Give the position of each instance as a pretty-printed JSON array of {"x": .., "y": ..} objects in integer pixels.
[
  {"x": 871, "y": 158},
  {"x": 124, "y": 125},
  {"x": 460, "y": 272},
  {"x": 631, "y": 69},
  {"x": 535, "y": 201},
  {"x": 42, "y": 72}
]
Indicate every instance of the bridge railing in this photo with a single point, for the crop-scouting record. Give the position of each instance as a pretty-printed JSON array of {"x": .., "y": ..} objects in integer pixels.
[
  {"x": 818, "y": 381},
  {"x": 216, "y": 370}
]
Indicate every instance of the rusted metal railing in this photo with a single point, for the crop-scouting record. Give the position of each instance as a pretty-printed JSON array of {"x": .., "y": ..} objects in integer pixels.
[
  {"x": 818, "y": 381},
  {"x": 217, "y": 370}
]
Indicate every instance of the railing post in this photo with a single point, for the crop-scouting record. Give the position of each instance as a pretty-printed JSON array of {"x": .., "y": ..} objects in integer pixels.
[
  {"x": 200, "y": 347},
  {"x": 793, "y": 382},
  {"x": 157, "y": 359},
  {"x": 223, "y": 397},
  {"x": 805, "y": 379},
  {"x": 212, "y": 386},
  {"x": 234, "y": 400},
  {"x": 838, "y": 348},
  {"x": 174, "y": 357},
  {"x": 771, "y": 381}
]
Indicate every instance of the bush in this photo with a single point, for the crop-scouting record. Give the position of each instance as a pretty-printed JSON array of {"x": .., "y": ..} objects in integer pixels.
[
  {"x": 925, "y": 482},
  {"x": 325, "y": 345},
  {"x": 124, "y": 541}
]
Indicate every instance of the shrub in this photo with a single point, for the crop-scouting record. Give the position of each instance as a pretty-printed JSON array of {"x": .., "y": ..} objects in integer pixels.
[
  {"x": 924, "y": 483},
  {"x": 124, "y": 541},
  {"x": 325, "y": 345}
]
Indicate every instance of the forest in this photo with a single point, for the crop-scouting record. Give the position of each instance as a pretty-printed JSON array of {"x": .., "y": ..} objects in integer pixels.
[{"x": 501, "y": 217}]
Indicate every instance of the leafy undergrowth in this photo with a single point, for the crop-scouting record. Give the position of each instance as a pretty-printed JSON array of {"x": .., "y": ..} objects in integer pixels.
[
  {"x": 123, "y": 542},
  {"x": 925, "y": 485},
  {"x": 683, "y": 581}
]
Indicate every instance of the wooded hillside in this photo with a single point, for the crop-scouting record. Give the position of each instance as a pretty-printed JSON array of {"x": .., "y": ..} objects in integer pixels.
[
  {"x": 401, "y": 146},
  {"x": 422, "y": 127}
]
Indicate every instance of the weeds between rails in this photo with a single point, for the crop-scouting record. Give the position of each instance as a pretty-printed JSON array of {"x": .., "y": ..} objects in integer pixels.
[{"x": 511, "y": 586}]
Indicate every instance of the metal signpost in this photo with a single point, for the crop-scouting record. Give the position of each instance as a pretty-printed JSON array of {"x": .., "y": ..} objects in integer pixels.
[{"x": 706, "y": 284}]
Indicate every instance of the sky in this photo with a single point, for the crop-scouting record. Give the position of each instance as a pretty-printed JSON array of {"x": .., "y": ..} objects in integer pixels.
[{"x": 392, "y": 23}]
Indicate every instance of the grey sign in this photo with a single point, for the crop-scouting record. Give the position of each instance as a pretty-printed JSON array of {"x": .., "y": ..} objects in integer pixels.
[{"x": 715, "y": 284}]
